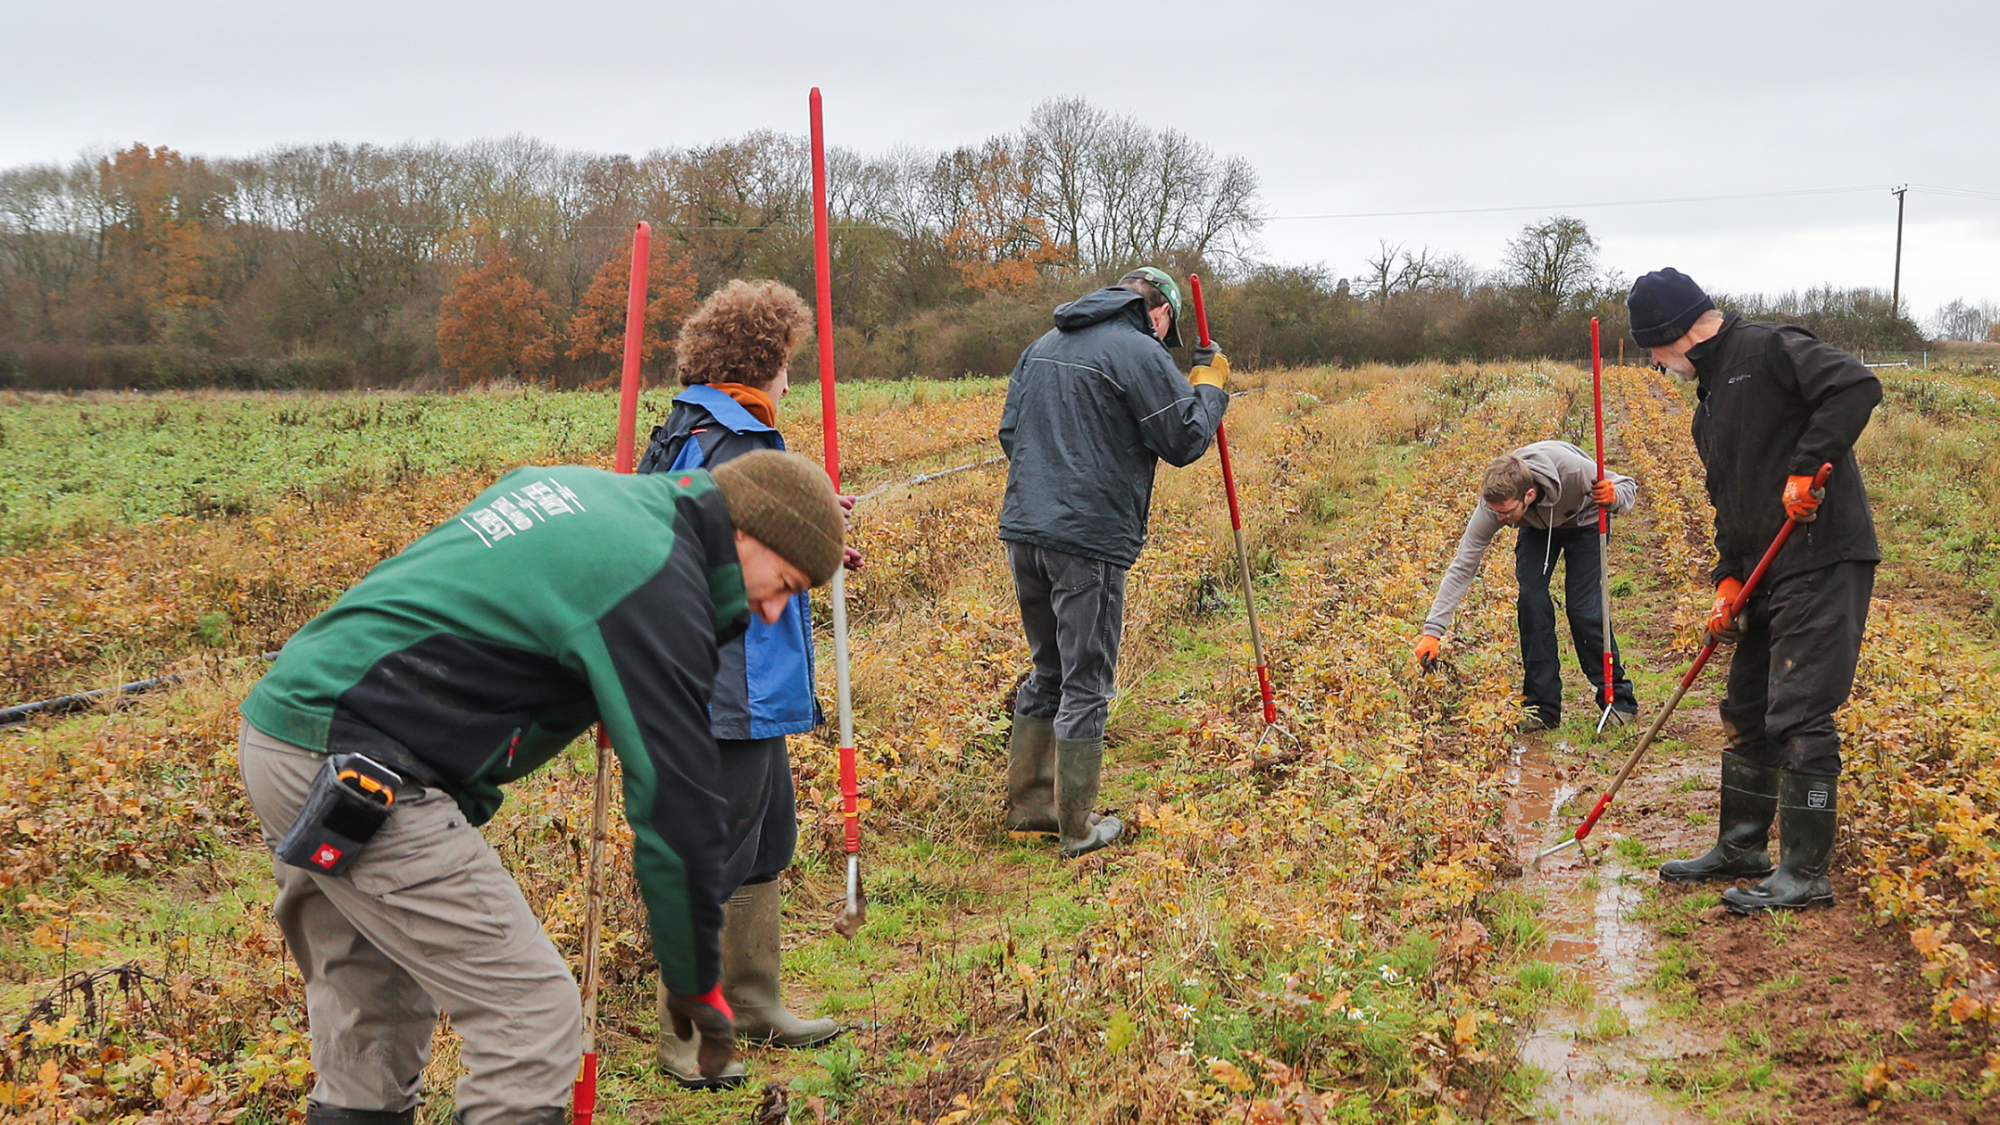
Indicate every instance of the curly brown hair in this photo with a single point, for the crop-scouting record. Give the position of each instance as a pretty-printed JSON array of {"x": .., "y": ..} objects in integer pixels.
[{"x": 743, "y": 333}]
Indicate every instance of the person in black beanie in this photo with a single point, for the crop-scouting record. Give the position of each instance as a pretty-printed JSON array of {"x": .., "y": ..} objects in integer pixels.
[{"x": 1774, "y": 403}]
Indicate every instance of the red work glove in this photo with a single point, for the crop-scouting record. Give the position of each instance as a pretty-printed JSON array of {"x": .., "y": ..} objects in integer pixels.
[
  {"x": 708, "y": 1014},
  {"x": 1722, "y": 625},
  {"x": 1427, "y": 650},
  {"x": 1605, "y": 492},
  {"x": 1802, "y": 499}
]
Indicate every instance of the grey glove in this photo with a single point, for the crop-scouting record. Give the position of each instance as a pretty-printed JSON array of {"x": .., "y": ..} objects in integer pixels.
[{"x": 1204, "y": 354}]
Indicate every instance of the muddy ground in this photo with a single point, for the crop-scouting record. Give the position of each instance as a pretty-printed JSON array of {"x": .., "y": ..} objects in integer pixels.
[{"x": 1696, "y": 1013}]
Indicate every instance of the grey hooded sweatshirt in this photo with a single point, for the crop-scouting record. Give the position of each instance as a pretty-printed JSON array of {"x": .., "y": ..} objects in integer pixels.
[
  {"x": 1092, "y": 408},
  {"x": 1563, "y": 476}
]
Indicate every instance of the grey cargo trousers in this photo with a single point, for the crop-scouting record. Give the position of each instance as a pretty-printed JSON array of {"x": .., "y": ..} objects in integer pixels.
[
  {"x": 1073, "y": 611},
  {"x": 426, "y": 920}
]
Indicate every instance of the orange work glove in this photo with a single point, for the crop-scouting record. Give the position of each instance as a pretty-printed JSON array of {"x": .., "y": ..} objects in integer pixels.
[
  {"x": 1802, "y": 499},
  {"x": 1722, "y": 625},
  {"x": 1605, "y": 492},
  {"x": 1427, "y": 650}
]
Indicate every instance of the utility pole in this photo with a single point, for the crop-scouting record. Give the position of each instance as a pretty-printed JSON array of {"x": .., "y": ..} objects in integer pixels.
[{"x": 1896, "y": 292}]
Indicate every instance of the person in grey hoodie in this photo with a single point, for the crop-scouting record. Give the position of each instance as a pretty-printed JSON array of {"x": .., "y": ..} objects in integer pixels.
[
  {"x": 1092, "y": 407},
  {"x": 1550, "y": 491}
]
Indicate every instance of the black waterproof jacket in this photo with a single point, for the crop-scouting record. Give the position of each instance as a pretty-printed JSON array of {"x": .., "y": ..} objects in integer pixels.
[
  {"x": 1092, "y": 408},
  {"x": 1774, "y": 402}
]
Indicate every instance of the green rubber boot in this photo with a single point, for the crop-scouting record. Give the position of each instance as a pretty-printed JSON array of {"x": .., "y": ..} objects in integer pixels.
[
  {"x": 1743, "y": 828},
  {"x": 751, "y": 921},
  {"x": 1031, "y": 777},
  {"x": 1079, "y": 764},
  {"x": 1808, "y": 814},
  {"x": 680, "y": 1059}
]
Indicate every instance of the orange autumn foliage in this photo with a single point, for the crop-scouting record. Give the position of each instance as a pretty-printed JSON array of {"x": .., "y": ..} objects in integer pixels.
[
  {"x": 598, "y": 327},
  {"x": 494, "y": 323}
]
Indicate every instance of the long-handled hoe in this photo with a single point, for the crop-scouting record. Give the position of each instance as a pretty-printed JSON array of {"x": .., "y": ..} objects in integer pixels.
[
  {"x": 1603, "y": 519},
  {"x": 1242, "y": 552},
  {"x": 1700, "y": 661},
  {"x": 583, "y": 1104},
  {"x": 856, "y": 908}
]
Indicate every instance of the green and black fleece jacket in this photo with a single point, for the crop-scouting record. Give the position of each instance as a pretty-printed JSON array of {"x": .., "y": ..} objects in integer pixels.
[{"x": 559, "y": 597}]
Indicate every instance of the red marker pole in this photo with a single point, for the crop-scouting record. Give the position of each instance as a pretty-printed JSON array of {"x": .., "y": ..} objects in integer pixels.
[
  {"x": 1236, "y": 525},
  {"x": 583, "y": 1105},
  {"x": 1603, "y": 517},
  {"x": 856, "y": 906}
]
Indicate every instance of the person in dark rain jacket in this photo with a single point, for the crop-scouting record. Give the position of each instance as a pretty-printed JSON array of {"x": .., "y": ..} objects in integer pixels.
[
  {"x": 1773, "y": 404},
  {"x": 1092, "y": 407}
]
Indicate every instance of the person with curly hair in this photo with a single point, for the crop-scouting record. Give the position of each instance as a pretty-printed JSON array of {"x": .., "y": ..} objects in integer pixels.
[{"x": 733, "y": 355}]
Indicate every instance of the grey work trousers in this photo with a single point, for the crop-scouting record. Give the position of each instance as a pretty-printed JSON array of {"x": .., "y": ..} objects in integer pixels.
[
  {"x": 1073, "y": 611},
  {"x": 1794, "y": 666},
  {"x": 427, "y": 919}
]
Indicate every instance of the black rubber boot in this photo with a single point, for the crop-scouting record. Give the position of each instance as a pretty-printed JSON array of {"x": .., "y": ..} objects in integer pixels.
[
  {"x": 1808, "y": 812},
  {"x": 1743, "y": 828},
  {"x": 1031, "y": 777},
  {"x": 1079, "y": 762},
  {"x": 317, "y": 1114}
]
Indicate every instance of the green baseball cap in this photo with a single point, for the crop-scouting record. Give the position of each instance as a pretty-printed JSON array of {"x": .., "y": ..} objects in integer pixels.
[{"x": 1168, "y": 286}]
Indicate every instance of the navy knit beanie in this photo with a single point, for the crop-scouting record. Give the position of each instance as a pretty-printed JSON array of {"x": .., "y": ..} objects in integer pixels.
[{"x": 1664, "y": 304}]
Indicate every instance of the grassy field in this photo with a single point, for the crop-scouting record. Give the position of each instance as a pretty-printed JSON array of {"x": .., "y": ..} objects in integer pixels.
[{"x": 1332, "y": 928}]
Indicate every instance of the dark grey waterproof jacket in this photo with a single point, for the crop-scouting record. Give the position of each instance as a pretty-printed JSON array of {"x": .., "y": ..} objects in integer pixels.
[
  {"x": 1092, "y": 408},
  {"x": 1775, "y": 401}
]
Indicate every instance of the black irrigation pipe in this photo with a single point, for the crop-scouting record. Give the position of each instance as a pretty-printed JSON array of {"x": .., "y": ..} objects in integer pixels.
[{"x": 63, "y": 704}]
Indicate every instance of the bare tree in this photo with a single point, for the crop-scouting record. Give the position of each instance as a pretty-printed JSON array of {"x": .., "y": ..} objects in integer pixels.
[
  {"x": 1552, "y": 261},
  {"x": 1395, "y": 270},
  {"x": 1961, "y": 320}
]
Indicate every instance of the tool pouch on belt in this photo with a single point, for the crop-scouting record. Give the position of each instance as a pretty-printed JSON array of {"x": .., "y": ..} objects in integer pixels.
[{"x": 350, "y": 798}]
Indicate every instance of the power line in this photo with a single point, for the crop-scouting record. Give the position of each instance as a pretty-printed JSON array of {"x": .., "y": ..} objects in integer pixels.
[
  {"x": 1968, "y": 193},
  {"x": 1602, "y": 203}
]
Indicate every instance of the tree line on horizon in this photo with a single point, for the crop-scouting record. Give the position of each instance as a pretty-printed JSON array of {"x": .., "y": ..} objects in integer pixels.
[{"x": 334, "y": 266}]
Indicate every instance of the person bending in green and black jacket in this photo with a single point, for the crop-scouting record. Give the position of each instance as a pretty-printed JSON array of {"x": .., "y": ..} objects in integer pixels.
[
  {"x": 560, "y": 597},
  {"x": 1774, "y": 403}
]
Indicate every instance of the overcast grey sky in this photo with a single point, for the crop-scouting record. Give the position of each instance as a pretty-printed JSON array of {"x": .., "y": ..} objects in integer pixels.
[{"x": 1342, "y": 107}]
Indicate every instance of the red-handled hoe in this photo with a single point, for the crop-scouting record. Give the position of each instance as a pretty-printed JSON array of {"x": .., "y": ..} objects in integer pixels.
[
  {"x": 855, "y": 909},
  {"x": 1687, "y": 681},
  {"x": 1236, "y": 526}
]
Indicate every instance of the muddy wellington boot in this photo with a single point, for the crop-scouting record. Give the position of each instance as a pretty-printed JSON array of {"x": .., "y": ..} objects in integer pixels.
[
  {"x": 680, "y": 1059},
  {"x": 1031, "y": 777},
  {"x": 1079, "y": 762},
  {"x": 1808, "y": 813},
  {"x": 1743, "y": 828},
  {"x": 751, "y": 920}
]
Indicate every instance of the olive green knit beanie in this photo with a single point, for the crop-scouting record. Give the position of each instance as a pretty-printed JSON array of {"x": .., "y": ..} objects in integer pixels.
[{"x": 786, "y": 503}]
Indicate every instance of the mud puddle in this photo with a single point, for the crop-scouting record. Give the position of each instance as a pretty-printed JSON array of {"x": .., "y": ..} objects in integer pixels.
[{"x": 1595, "y": 1053}]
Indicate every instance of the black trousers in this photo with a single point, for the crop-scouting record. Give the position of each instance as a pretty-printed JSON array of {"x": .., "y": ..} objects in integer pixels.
[
  {"x": 762, "y": 820},
  {"x": 1535, "y": 555},
  {"x": 1794, "y": 666}
]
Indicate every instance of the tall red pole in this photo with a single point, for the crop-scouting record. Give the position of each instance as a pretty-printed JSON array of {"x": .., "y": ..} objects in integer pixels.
[
  {"x": 1603, "y": 512},
  {"x": 1236, "y": 524},
  {"x": 635, "y": 338},
  {"x": 583, "y": 1103},
  {"x": 850, "y": 789},
  {"x": 823, "y": 291}
]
